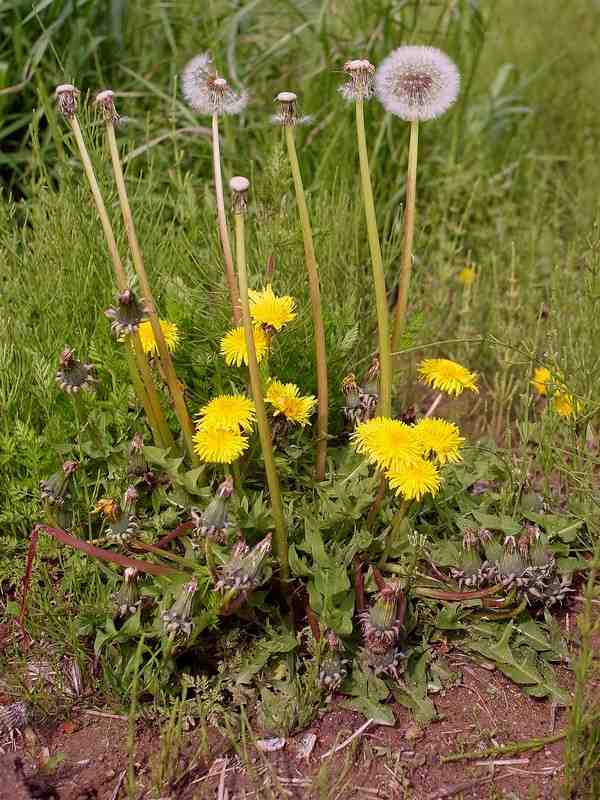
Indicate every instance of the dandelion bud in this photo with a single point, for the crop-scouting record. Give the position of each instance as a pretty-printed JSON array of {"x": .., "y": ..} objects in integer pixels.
[
  {"x": 69, "y": 467},
  {"x": 178, "y": 619},
  {"x": 288, "y": 114},
  {"x": 13, "y": 717},
  {"x": 66, "y": 97},
  {"x": 379, "y": 625},
  {"x": 104, "y": 100},
  {"x": 417, "y": 83},
  {"x": 137, "y": 465},
  {"x": 123, "y": 527},
  {"x": 213, "y": 521},
  {"x": 127, "y": 316},
  {"x": 127, "y": 599},
  {"x": 239, "y": 187},
  {"x": 206, "y": 92},
  {"x": 131, "y": 496},
  {"x": 243, "y": 570},
  {"x": 72, "y": 375},
  {"x": 360, "y": 73},
  {"x": 332, "y": 669}
]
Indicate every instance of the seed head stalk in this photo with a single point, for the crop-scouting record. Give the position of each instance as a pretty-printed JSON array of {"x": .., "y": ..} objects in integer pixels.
[
  {"x": 409, "y": 230},
  {"x": 264, "y": 429},
  {"x": 163, "y": 351},
  {"x": 141, "y": 376},
  {"x": 222, "y": 220},
  {"x": 315, "y": 302},
  {"x": 383, "y": 323}
]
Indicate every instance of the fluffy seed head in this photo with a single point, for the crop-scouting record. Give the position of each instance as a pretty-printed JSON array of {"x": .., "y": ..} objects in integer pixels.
[
  {"x": 417, "y": 83},
  {"x": 206, "y": 92},
  {"x": 360, "y": 74},
  {"x": 66, "y": 97}
]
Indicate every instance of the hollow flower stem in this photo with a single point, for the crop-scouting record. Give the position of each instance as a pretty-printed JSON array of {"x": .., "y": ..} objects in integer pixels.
[
  {"x": 409, "y": 230},
  {"x": 393, "y": 533},
  {"x": 264, "y": 429},
  {"x": 232, "y": 283},
  {"x": 315, "y": 302},
  {"x": 383, "y": 321},
  {"x": 175, "y": 388},
  {"x": 138, "y": 366}
]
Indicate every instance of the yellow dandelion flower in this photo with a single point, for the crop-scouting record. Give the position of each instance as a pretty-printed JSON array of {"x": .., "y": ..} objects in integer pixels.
[
  {"x": 107, "y": 507},
  {"x": 565, "y": 405},
  {"x": 386, "y": 442},
  {"x": 219, "y": 445},
  {"x": 413, "y": 481},
  {"x": 229, "y": 411},
  {"x": 233, "y": 346},
  {"x": 447, "y": 376},
  {"x": 439, "y": 438},
  {"x": 287, "y": 400},
  {"x": 541, "y": 378},
  {"x": 467, "y": 276},
  {"x": 169, "y": 330},
  {"x": 271, "y": 311}
]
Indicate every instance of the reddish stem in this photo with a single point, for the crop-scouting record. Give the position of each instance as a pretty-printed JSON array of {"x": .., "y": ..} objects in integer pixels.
[
  {"x": 313, "y": 622},
  {"x": 179, "y": 531},
  {"x": 359, "y": 585}
]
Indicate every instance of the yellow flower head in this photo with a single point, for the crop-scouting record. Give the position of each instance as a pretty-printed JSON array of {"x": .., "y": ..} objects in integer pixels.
[
  {"x": 440, "y": 438},
  {"x": 220, "y": 445},
  {"x": 233, "y": 346},
  {"x": 466, "y": 276},
  {"x": 228, "y": 411},
  {"x": 269, "y": 310},
  {"x": 108, "y": 507},
  {"x": 413, "y": 481},
  {"x": 541, "y": 378},
  {"x": 447, "y": 376},
  {"x": 565, "y": 405},
  {"x": 169, "y": 331},
  {"x": 386, "y": 442},
  {"x": 286, "y": 399}
]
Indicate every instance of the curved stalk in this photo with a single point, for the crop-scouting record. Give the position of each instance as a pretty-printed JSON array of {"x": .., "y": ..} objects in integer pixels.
[
  {"x": 315, "y": 302},
  {"x": 232, "y": 283},
  {"x": 140, "y": 374},
  {"x": 409, "y": 230},
  {"x": 383, "y": 320},
  {"x": 175, "y": 388},
  {"x": 264, "y": 429}
]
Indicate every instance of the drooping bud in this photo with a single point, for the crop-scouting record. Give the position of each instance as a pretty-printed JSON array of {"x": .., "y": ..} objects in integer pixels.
[
  {"x": 213, "y": 521},
  {"x": 127, "y": 316},
  {"x": 74, "y": 376},
  {"x": 380, "y": 627},
  {"x": 137, "y": 464},
  {"x": 332, "y": 668},
  {"x": 243, "y": 570},
  {"x": 178, "y": 619},
  {"x": 127, "y": 600},
  {"x": 55, "y": 490},
  {"x": 66, "y": 98}
]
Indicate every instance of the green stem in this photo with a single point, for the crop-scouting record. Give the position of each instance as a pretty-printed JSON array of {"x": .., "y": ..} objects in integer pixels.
[
  {"x": 315, "y": 302},
  {"x": 147, "y": 393},
  {"x": 264, "y": 430},
  {"x": 383, "y": 321},
  {"x": 409, "y": 230},
  {"x": 222, "y": 221},
  {"x": 505, "y": 750},
  {"x": 394, "y": 531},
  {"x": 175, "y": 388}
]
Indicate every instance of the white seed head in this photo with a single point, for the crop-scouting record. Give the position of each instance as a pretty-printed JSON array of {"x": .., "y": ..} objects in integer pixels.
[
  {"x": 417, "y": 83},
  {"x": 239, "y": 184},
  {"x": 207, "y": 93},
  {"x": 66, "y": 97},
  {"x": 359, "y": 86}
]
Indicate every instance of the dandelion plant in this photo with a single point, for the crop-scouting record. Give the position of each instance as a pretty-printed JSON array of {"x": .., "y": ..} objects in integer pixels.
[
  {"x": 208, "y": 93},
  {"x": 416, "y": 84},
  {"x": 239, "y": 187},
  {"x": 288, "y": 118},
  {"x": 66, "y": 95},
  {"x": 358, "y": 89},
  {"x": 105, "y": 100}
]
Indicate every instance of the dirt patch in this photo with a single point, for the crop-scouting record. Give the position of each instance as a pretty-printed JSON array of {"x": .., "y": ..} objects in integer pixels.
[{"x": 88, "y": 755}]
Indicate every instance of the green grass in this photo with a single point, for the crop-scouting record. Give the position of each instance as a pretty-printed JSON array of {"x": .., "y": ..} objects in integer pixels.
[{"x": 507, "y": 182}]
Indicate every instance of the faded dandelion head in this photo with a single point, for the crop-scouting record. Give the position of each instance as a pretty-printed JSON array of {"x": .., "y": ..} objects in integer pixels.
[
  {"x": 287, "y": 116},
  {"x": 417, "y": 83},
  {"x": 66, "y": 97},
  {"x": 359, "y": 86},
  {"x": 206, "y": 92},
  {"x": 239, "y": 189},
  {"x": 105, "y": 102},
  {"x": 127, "y": 316},
  {"x": 72, "y": 375}
]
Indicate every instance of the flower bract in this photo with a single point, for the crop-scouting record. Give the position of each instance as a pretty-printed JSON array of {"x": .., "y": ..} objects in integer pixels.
[
  {"x": 447, "y": 376},
  {"x": 286, "y": 399},
  {"x": 439, "y": 438},
  {"x": 233, "y": 346},
  {"x": 269, "y": 310},
  {"x": 416, "y": 479}
]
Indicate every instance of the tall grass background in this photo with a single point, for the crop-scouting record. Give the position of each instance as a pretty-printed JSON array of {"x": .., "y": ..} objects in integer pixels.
[{"x": 507, "y": 184}]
